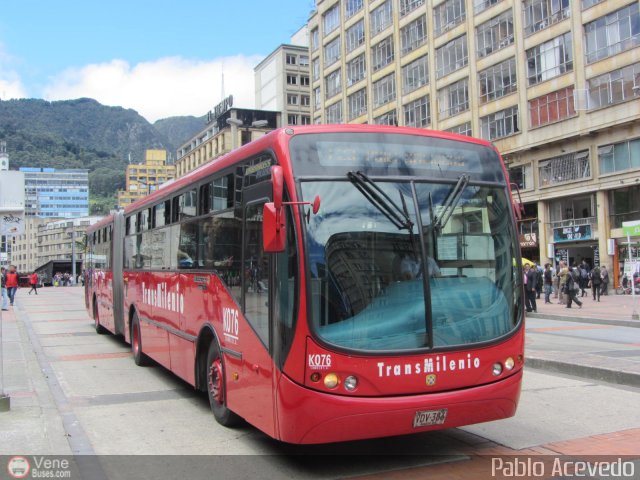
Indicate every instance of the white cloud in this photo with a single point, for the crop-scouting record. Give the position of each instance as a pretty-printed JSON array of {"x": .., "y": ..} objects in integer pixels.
[
  {"x": 10, "y": 84},
  {"x": 162, "y": 88}
]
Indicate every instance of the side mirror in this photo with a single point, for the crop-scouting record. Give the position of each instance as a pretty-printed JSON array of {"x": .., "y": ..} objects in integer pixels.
[
  {"x": 277, "y": 180},
  {"x": 274, "y": 228}
]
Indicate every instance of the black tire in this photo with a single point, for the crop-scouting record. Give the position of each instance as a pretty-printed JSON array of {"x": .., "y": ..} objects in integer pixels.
[
  {"x": 136, "y": 343},
  {"x": 100, "y": 330},
  {"x": 216, "y": 388}
]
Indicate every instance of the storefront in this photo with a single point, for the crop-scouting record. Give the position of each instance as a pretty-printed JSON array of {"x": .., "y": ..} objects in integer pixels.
[{"x": 574, "y": 244}]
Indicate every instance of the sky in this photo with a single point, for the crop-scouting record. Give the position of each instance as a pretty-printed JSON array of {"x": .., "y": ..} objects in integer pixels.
[{"x": 161, "y": 58}]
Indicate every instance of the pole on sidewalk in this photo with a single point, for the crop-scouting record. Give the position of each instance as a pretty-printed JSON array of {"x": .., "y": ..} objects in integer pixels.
[
  {"x": 634, "y": 313},
  {"x": 5, "y": 401}
]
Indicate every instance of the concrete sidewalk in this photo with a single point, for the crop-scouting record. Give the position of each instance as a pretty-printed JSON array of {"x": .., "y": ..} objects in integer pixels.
[{"x": 600, "y": 341}]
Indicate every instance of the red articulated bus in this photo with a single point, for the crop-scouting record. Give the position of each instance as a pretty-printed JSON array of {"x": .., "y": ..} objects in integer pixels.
[{"x": 326, "y": 283}]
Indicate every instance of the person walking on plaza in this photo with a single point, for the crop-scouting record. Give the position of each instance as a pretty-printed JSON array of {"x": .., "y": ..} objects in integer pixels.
[
  {"x": 583, "y": 277},
  {"x": 548, "y": 282},
  {"x": 595, "y": 282},
  {"x": 33, "y": 281},
  {"x": 604, "y": 286},
  {"x": 11, "y": 278},
  {"x": 556, "y": 281},
  {"x": 5, "y": 297},
  {"x": 572, "y": 287},
  {"x": 530, "y": 282},
  {"x": 564, "y": 274}
]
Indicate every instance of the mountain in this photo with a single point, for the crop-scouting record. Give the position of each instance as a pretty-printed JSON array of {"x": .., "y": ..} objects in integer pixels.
[{"x": 83, "y": 133}]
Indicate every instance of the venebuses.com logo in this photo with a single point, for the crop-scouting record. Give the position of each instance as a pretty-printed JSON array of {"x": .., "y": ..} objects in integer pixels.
[
  {"x": 38, "y": 467},
  {"x": 18, "y": 467}
]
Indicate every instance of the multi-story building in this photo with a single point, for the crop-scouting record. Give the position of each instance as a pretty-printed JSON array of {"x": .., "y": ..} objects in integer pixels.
[
  {"x": 282, "y": 81},
  {"x": 555, "y": 84},
  {"x": 143, "y": 178},
  {"x": 55, "y": 193},
  {"x": 61, "y": 239},
  {"x": 24, "y": 248},
  {"x": 227, "y": 128}
]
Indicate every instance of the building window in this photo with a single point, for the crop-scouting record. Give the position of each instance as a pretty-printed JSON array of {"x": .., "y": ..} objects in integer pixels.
[
  {"x": 521, "y": 176},
  {"x": 305, "y": 120},
  {"x": 614, "y": 87},
  {"x": 356, "y": 70},
  {"x": 539, "y": 14},
  {"x": 384, "y": 90},
  {"x": 334, "y": 113},
  {"x": 380, "y": 18},
  {"x": 292, "y": 119},
  {"x": 304, "y": 60},
  {"x": 498, "y": 80},
  {"x": 413, "y": 35},
  {"x": 417, "y": 113},
  {"x": 550, "y": 59},
  {"x": 317, "y": 98},
  {"x": 389, "y": 118},
  {"x": 482, "y": 5},
  {"x": 495, "y": 34},
  {"x": 500, "y": 124},
  {"x": 332, "y": 52},
  {"x": 352, "y": 7},
  {"x": 551, "y": 107},
  {"x": 590, "y": 3},
  {"x": 314, "y": 39},
  {"x": 407, "y": 6},
  {"x": 291, "y": 59},
  {"x": 613, "y": 33},
  {"x": 619, "y": 157},
  {"x": 462, "y": 129},
  {"x": 315, "y": 64},
  {"x": 304, "y": 80},
  {"x": 382, "y": 54},
  {"x": 564, "y": 168},
  {"x": 333, "y": 83},
  {"x": 305, "y": 101},
  {"x": 331, "y": 19},
  {"x": 354, "y": 36},
  {"x": 292, "y": 80},
  {"x": 357, "y": 103},
  {"x": 292, "y": 99},
  {"x": 448, "y": 15},
  {"x": 624, "y": 205},
  {"x": 452, "y": 56},
  {"x": 415, "y": 74},
  {"x": 453, "y": 99}
]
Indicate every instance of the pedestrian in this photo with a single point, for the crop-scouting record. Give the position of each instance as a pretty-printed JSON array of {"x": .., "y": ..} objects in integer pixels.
[
  {"x": 33, "y": 281},
  {"x": 583, "y": 280},
  {"x": 572, "y": 287},
  {"x": 596, "y": 280},
  {"x": 5, "y": 297},
  {"x": 556, "y": 281},
  {"x": 548, "y": 282},
  {"x": 530, "y": 283},
  {"x": 539, "y": 280},
  {"x": 564, "y": 274},
  {"x": 604, "y": 286},
  {"x": 11, "y": 281}
]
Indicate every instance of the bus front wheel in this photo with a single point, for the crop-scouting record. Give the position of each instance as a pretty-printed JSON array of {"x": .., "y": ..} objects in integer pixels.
[
  {"x": 96, "y": 319},
  {"x": 216, "y": 388},
  {"x": 136, "y": 343}
]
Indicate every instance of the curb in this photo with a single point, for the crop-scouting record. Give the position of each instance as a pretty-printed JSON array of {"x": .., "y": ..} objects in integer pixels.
[
  {"x": 597, "y": 321},
  {"x": 584, "y": 371}
]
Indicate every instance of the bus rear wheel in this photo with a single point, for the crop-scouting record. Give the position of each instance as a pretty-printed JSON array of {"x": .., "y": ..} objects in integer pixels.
[
  {"x": 96, "y": 319},
  {"x": 139, "y": 358},
  {"x": 217, "y": 390}
]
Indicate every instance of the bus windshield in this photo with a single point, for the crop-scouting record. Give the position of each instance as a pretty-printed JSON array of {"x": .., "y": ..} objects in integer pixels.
[{"x": 410, "y": 264}]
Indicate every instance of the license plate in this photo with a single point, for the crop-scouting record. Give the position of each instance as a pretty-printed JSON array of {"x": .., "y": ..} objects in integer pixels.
[{"x": 429, "y": 417}]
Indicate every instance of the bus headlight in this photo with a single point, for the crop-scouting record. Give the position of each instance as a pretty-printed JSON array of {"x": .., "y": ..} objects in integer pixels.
[
  {"x": 497, "y": 369},
  {"x": 331, "y": 380},
  {"x": 350, "y": 383},
  {"x": 509, "y": 363}
]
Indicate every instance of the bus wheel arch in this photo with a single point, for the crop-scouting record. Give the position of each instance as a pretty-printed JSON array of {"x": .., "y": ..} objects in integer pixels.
[
  {"x": 96, "y": 317},
  {"x": 211, "y": 378}
]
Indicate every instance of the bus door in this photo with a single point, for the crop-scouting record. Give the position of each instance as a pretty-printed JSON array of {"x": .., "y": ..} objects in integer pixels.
[{"x": 255, "y": 395}]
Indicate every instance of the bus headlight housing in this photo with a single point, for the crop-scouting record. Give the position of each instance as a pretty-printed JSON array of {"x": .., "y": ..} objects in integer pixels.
[
  {"x": 350, "y": 383},
  {"x": 509, "y": 363},
  {"x": 497, "y": 369},
  {"x": 331, "y": 380}
]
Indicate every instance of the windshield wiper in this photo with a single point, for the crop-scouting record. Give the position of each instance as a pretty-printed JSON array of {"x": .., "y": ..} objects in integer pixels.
[
  {"x": 451, "y": 202},
  {"x": 379, "y": 199}
]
